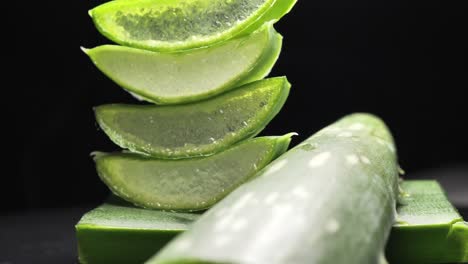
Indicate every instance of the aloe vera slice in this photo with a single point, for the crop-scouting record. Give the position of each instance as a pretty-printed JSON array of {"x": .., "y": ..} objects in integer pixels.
[
  {"x": 183, "y": 24},
  {"x": 169, "y": 78},
  {"x": 117, "y": 232},
  {"x": 329, "y": 200},
  {"x": 196, "y": 129},
  {"x": 188, "y": 184},
  {"x": 429, "y": 228}
]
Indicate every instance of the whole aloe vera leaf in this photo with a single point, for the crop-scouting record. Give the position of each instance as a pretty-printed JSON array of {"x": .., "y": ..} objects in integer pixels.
[
  {"x": 187, "y": 184},
  {"x": 197, "y": 129},
  {"x": 429, "y": 228},
  {"x": 331, "y": 199},
  {"x": 177, "y": 25}
]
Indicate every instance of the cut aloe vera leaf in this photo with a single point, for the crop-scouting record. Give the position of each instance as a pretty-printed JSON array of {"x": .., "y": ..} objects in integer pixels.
[
  {"x": 196, "y": 129},
  {"x": 187, "y": 184},
  {"x": 183, "y": 24},
  {"x": 329, "y": 200},
  {"x": 429, "y": 228},
  {"x": 169, "y": 78},
  {"x": 117, "y": 232}
]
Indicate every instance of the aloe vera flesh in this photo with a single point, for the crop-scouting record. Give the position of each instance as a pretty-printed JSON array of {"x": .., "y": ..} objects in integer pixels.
[
  {"x": 429, "y": 228},
  {"x": 169, "y": 78},
  {"x": 331, "y": 199},
  {"x": 186, "y": 184},
  {"x": 197, "y": 129},
  {"x": 183, "y": 24},
  {"x": 117, "y": 232}
]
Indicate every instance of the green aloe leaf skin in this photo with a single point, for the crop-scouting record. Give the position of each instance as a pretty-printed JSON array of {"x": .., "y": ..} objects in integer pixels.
[
  {"x": 183, "y": 24},
  {"x": 174, "y": 78},
  {"x": 126, "y": 223},
  {"x": 429, "y": 229},
  {"x": 119, "y": 233},
  {"x": 197, "y": 129},
  {"x": 338, "y": 186},
  {"x": 187, "y": 184}
]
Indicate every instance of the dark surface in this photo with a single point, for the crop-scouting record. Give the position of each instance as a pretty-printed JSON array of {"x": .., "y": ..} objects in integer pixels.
[
  {"x": 403, "y": 60},
  {"x": 39, "y": 236}
]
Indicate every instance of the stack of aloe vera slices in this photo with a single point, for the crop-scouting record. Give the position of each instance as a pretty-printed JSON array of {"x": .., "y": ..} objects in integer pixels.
[
  {"x": 200, "y": 65},
  {"x": 288, "y": 205}
]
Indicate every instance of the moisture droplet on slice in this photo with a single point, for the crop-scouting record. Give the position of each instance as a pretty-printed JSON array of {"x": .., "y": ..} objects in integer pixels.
[
  {"x": 168, "y": 78},
  {"x": 187, "y": 184},
  {"x": 183, "y": 24},
  {"x": 197, "y": 129}
]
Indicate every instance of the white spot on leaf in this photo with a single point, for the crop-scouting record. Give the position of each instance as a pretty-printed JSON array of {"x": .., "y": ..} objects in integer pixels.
[
  {"x": 352, "y": 159},
  {"x": 300, "y": 192},
  {"x": 242, "y": 201},
  {"x": 271, "y": 198},
  {"x": 332, "y": 226},
  {"x": 223, "y": 224},
  {"x": 183, "y": 244},
  {"x": 282, "y": 210},
  {"x": 239, "y": 224},
  {"x": 333, "y": 129},
  {"x": 276, "y": 166},
  {"x": 319, "y": 159},
  {"x": 356, "y": 126},
  {"x": 391, "y": 147},
  {"x": 381, "y": 141},
  {"x": 222, "y": 240},
  {"x": 345, "y": 134},
  {"x": 365, "y": 159}
]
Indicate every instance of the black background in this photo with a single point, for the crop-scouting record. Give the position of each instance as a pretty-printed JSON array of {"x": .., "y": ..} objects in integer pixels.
[{"x": 404, "y": 63}]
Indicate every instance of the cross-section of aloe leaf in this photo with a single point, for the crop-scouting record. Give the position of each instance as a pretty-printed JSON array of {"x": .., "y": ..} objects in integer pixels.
[
  {"x": 168, "y": 78},
  {"x": 429, "y": 228},
  {"x": 183, "y": 24},
  {"x": 197, "y": 129},
  {"x": 119, "y": 233},
  {"x": 186, "y": 184}
]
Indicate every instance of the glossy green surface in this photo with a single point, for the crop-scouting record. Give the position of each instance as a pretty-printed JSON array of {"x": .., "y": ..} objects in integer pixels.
[
  {"x": 197, "y": 129},
  {"x": 187, "y": 184},
  {"x": 117, "y": 232},
  {"x": 429, "y": 228},
  {"x": 113, "y": 230},
  {"x": 174, "y": 25},
  {"x": 331, "y": 200},
  {"x": 169, "y": 78}
]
